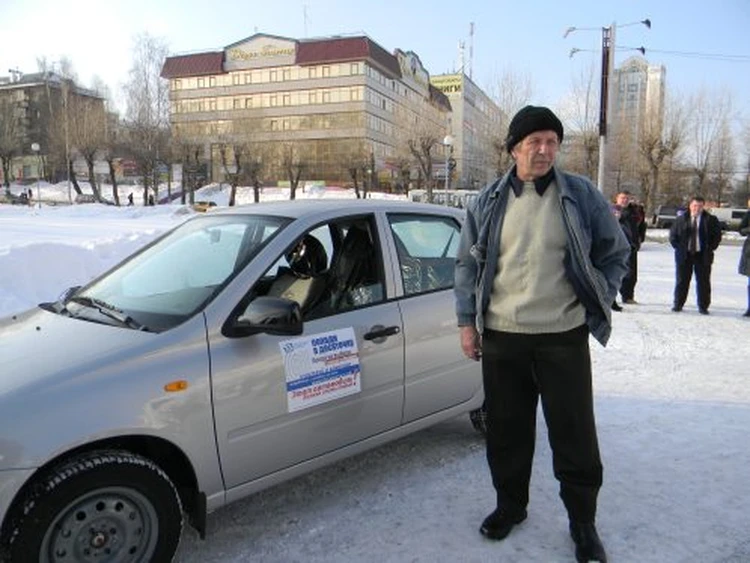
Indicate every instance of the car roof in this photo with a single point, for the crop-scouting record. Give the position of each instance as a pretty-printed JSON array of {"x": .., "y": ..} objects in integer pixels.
[{"x": 308, "y": 207}]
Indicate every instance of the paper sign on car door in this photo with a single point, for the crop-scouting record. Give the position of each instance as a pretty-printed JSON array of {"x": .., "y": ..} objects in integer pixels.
[{"x": 320, "y": 368}]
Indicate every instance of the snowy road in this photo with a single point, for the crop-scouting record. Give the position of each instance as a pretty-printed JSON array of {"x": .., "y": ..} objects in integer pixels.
[{"x": 673, "y": 409}]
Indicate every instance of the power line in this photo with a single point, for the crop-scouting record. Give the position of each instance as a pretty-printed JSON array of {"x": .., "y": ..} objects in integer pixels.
[{"x": 697, "y": 55}]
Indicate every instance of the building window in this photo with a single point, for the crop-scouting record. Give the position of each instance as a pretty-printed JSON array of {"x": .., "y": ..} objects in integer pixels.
[
  {"x": 354, "y": 68},
  {"x": 248, "y": 78},
  {"x": 273, "y": 100},
  {"x": 177, "y": 84},
  {"x": 326, "y": 71},
  {"x": 272, "y": 76},
  {"x": 237, "y": 103},
  {"x": 326, "y": 97},
  {"x": 211, "y": 81},
  {"x": 212, "y": 104},
  {"x": 313, "y": 97},
  {"x": 274, "y": 125},
  {"x": 286, "y": 74},
  {"x": 201, "y": 82},
  {"x": 248, "y": 102},
  {"x": 286, "y": 99},
  {"x": 235, "y": 79}
]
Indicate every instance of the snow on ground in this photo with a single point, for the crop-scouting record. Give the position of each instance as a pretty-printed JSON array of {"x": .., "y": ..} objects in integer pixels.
[{"x": 673, "y": 410}]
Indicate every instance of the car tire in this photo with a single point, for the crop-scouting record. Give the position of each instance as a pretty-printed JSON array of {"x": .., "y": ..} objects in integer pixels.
[
  {"x": 106, "y": 505},
  {"x": 478, "y": 419}
]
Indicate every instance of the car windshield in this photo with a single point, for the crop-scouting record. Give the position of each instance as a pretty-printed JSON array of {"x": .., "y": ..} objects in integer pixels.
[{"x": 170, "y": 280}]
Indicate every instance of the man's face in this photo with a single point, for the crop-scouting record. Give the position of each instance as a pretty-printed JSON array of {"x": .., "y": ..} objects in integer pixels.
[
  {"x": 696, "y": 207},
  {"x": 535, "y": 154},
  {"x": 622, "y": 200}
]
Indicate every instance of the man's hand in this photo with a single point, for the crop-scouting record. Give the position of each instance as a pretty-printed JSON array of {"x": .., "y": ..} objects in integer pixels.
[{"x": 471, "y": 342}]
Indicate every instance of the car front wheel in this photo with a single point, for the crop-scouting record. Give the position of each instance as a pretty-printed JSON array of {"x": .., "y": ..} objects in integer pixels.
[{"x": 101, "y": 506}]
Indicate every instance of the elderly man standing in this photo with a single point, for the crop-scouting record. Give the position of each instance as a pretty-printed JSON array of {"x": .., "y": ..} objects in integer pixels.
[{"x": 540, "y": 261}]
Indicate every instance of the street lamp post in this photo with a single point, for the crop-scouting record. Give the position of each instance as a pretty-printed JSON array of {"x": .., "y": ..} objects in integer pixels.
[
  {"x": 608, "y": 58},
  {"x": 448, "y": 144},
  {"x": 35, "y": 148}
]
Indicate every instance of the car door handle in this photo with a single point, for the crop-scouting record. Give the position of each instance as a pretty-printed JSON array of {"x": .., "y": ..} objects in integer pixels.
[{"x": 380, "y": 331}]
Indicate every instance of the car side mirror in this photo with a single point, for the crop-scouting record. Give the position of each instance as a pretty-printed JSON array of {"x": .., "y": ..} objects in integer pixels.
[{"x": 269, "y": 315}]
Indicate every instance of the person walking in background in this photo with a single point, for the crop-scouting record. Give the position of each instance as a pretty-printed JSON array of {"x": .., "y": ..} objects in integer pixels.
[
  {"x": 695, "y": 236},
  {"x": 627, "y": 215},
  {"x": 539, "y": 264},
  {"x": 744, "y": 267}
]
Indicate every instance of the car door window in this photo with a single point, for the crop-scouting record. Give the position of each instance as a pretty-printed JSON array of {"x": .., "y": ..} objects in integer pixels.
[
  {"x": 332, "y": 268},
  {"x": 426, "y": 247}
]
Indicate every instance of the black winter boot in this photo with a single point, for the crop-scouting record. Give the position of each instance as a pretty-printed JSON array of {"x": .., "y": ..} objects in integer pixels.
[
  {"x": 747, "y": 313},
  {"x": 588, "y": 545}
]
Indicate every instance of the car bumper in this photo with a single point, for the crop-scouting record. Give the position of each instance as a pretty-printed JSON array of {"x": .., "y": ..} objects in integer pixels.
[{"x": 11, "y": 481}]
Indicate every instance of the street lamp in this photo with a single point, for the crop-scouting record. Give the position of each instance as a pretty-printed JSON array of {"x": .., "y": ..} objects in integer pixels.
[
  {"x": 448, "y": 144},
  {"x": 35, "y": 148},
  {"x": 608, "y": 61}
]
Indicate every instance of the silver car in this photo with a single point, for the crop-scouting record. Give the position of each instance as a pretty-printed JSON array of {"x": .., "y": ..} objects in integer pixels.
[{"x": 243, "y": 348}]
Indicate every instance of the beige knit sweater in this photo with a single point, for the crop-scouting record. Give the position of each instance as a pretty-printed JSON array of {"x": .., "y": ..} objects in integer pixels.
[{"x": 530, "y": 293}]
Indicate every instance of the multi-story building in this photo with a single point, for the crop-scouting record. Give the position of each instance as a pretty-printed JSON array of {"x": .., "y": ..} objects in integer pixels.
[
  {"x": 33, "y": 112},
  {"x": 475, "y": 127},
  {"x": 637, "y": 109},
  {"x": 336, "y": 103}
]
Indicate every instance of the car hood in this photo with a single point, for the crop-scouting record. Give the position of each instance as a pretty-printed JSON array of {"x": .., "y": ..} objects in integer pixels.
[{"x": 40, "y": 345}]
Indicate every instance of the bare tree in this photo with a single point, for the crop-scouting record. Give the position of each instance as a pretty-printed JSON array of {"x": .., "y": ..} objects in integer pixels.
[
  {"x": 742, "y": 194},
  {"x": 581, "y": 111},
  {"x": 10, "y": 138},
  {"x": 707, "y": 112},
  {"x": 722, "y": 163},
  {"x": 88, "y": 134},
  {"x": 293, "y": 163},
  {"x": 147, "y": 112},
  {"x": 358, "y": 164},
  {"x": 231, "y": 156},
  {"x": 241, "y": 157},
  {"x": 511, "y": 91},
  {"x": 658, "y": 143}
]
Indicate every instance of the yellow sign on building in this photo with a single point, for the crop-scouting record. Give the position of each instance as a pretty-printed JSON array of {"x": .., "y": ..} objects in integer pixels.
[{"x": 448, "y": 83}]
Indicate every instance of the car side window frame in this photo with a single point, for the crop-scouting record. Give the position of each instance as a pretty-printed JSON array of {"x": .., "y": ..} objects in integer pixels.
[
  {"x": 337, "y": 298},
  {"x": 424, "y": 269}
]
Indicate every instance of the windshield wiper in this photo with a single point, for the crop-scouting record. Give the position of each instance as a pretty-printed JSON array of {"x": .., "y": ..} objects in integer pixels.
[{"x": 108, "y": 311}]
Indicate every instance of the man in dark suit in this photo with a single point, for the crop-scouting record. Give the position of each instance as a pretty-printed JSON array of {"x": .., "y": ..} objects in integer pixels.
[{"x": 695, "y": 236}]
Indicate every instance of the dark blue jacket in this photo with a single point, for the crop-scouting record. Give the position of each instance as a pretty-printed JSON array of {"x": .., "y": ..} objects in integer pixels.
[
  {"x": 596, "y": 258},
  {"x": 709, "y": 235}
]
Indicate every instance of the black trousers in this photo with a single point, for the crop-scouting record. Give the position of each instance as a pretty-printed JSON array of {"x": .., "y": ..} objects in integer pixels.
[
  {"x": 627, "y": 288},
  {"x": 517, "y": 370},
  {"x": 694, "y": 263}
]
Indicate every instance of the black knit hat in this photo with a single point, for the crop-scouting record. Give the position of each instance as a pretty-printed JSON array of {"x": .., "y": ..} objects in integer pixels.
[{"x": 530, "y": 119}]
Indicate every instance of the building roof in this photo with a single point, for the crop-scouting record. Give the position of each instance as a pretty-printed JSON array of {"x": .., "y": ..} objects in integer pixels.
[
  {"x": 309, "y": 52},
  {"x": 48, "y": 78},
  {"x": 198, "y": 64},
  {"x": 340, "y": 49}
]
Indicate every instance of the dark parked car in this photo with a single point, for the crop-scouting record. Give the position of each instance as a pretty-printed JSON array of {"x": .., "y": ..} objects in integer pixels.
[{"x": 665, "y": 215}]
